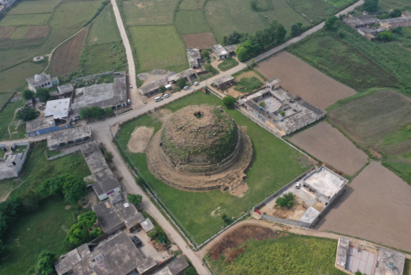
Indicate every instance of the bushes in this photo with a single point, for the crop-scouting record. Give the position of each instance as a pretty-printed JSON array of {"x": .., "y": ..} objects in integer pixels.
[
  {"x": 135, "y": 199},
  {"x": 27, "y": 94},
  {"x": 27, "y": 113},
  {"x": 92, "y": 112},
  {"x": 247, "y": 85},
  {"x": 229, "y": 101},
  {"x": 227, "y": 64},
  {"x": 287, "y": 200},
  {"x": 45, "y": 263},
  {"x": 73, "y": 188}
]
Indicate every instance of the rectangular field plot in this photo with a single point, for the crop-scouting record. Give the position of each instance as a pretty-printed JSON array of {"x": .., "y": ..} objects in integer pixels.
[
  {"x": 202, "y": 40},
  {"x": 30, "y": 7},
  {"x": 158, "y": 47},
  {"x": 15, "y": 77},
  {"x": 191, "y": 22},
  {"x": 104, "y": 28},
  {"x": 192, "y": 5},
  {"x": 199, "y": 213},
  {"x": 342, "y": 61},
  {"x": 301, "y": 79},
  {"x": 157, "y": 12},
  {"x": 25, "y": 19},
  {"x": 366, "y": 210},
  {"x": 341, "y": 3},
  {"x": 327, "y": 144},
  {"x": 394, "y": 4},
  {"x": 20, "y": 32},
  {"x": 315, "y": 10}
]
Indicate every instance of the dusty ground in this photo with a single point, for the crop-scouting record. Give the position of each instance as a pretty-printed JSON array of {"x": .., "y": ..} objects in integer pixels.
[
  {"x": 6, "y": 32},
  {"x": 202, "y": 40},
  {"x": 300, "y": 79},
  {"x": 376, "y": 206},
  {"x": 293, "y": 213},
  {"x": 139, "y": 139},
  {"x": 37, "y": 31},
  {"x": 162, "y": 114},
  {"x": 66, "y": 58},
  {"x": 330, "y": 146},
  {"x": 228, "y": 244}
]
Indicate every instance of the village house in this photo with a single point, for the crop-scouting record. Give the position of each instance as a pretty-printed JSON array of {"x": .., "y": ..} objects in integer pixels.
[
  {"x": 69, "y": 137},
  {"x": 224, "y": 82},
  {"x": 361, "y": 21},
  {"x": 220, "y": 52},
  {"x": 44, "y": 125},
  {"x": 392, "y": 23},
  {"x": 194, "y": 58},
  {"x": 41, "y": 81},
  {"x": 188, "y": 74},
  {"x": 64, "y": 91},
  {"x": 13, "y": 160},
  {"x": 4, "y": 4},
  {"x": 152, "y": 88}
]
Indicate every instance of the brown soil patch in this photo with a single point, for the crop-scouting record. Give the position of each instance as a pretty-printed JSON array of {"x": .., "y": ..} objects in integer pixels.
[
  {"x": 139, "y": 139},
  {"x": 300, "y": 79},
  {"x": 203, "y": 40},
  {"x": 327, "y": 144},
  {"x": 163, "y": 115},
  {"x": 376, "y": 206},
  {"x": 375, "y": 153},
  {"x": 230, "y": 242},
  {"x": 37, "y": 31},
  {"x": 6, "y": 32},
  {"x": 66, "y": 58}
]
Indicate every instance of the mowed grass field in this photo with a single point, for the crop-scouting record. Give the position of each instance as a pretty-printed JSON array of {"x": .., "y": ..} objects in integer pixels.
[
  {"x": 6, "y": 117},
  {"x": 37, "y": 6},
  {"x": 158, "y": 47},
  {"x": 191, "y": 22},
  {"x": 393, "y": 4},
  {"x": 4, "y": 98},
  {"x": 156, "y": 12},
  {"x": 25, "y": 19},
  {"x": 31, "y": 233},
  {"x": 286, "y": 254},
  {"x": 275, "y": 164},
  {"x": 192, "y": 5},
  {"x": 342, "y": 61},
  {"x": 378, "y": 119},
  {"x": 315, "y": 10},
  {"x": 16, "y": 77}
]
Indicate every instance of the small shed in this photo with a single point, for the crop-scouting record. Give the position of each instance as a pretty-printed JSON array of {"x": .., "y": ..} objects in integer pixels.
[
  {"x": 224, "y": 82},
  {"x": 147, "y": 225}
]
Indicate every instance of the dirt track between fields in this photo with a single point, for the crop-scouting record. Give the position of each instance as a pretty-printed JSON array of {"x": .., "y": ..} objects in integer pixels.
[
  {"x": 327, "y": 144},
  {"x": 66, "y": 58},
  {"x": 202, "y": 40},
  {"x": 376, "y": 206},
  {"x": 300, "y": 79}
]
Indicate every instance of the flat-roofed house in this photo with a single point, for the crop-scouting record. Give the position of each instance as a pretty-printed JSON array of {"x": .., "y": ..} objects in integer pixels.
[
  {"x": 152, "y": 88},
  {"x": 187, "y": 74},
  {"x": 194, "y": 58},
  {"x": 224, "y": 82},
  {"x": 392, "y": 23},
  {"x": 41, "y": 81},
  {"x": 220, "y": 52},
  {"x": 69, "y": 137},
  {"x": 44, "y": 125},
  {"x": 361, "y": 21}
]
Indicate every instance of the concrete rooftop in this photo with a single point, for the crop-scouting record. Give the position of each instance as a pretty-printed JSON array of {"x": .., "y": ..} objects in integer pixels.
[
  {"x": 39, "y": 123},
  {"x": 68, "y": 135},
  {"x": 310, "y": 215},
  {"x": 219, "y": 50},
  {"x": 389, "y": 262},
  {"x": 94, "y": 157},
  {"x": 58, "y": 108},
  {"x": 223, "y": 79},
  {"x": 105, "y": 182},
  {"x": 107, "y": 216},
  {"x": 325, "y": 182}
]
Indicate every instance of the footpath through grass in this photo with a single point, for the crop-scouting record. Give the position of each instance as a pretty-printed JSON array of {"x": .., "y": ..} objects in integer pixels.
[
  {"x": 31, "y": 233},
  {"x": 275, "y": 165},
  {"x": 292, "y": 254},
  {"x": 6, "y": 117}
]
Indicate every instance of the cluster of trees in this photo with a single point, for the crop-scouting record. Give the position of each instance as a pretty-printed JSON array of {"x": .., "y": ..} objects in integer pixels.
[
  {"x": 94, "y": 112},
  {"x": 385, "y": 35},
  {"x": 135, "y": 199},
  {"x": 69, "y": 186},
  {"x": 229, "y": 101},
  {"x": 27, "y": 113},
  {"x": 42, "y": 94},
  {"x": 371, "y": 5},
  {"x": 287, "y": 200},
  {"x": 182, "y": 82},
  {"x": 297, "y": 29},
  {"x": 262, "y": 39},
  {"x": 44, "y": 265},
  {"x": 330, "y": 22},
  {"x": 80, "y": 233},
  {"x": 8, "y": 211}
]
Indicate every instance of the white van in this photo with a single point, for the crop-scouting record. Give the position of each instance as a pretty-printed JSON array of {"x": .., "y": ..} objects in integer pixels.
[
  {"x": 166, "y": 95},
  {"x": 157, "y": 99}
]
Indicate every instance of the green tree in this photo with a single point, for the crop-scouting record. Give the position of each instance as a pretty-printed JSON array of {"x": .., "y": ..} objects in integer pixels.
[
  {"x": 43, "y": 94},
  {"x": 76, "y": 235},
  {"x": 371, "y": 5},
  {"x": 27, "y": 113},
  {"x": 88, "y": 219},
  {"x": 329, "y": 23},
  {"x": 385, "y": 35},
  {"x": 226, "y": 219},
  {"x": 395, "y": 13},
  {"x": 262, "y": 104},
  {"x": 181, "y": 83},
  {"x": 85, "y": 113},
  {"x": 135, "y": 199},
  {"x": 108, "y": 111},
  {"x": 287, "y": 200},
  {"x": 254, "y": 5},
  {"x": 96, "y": 112},
  {"x": 296, "y": 29},
  {"x": 73, "y": 188},
  {"x": 45, "y": 263},
  {"x": 97, "y": 232},
  {"x": 229, "y": 101},
  {"x": 242, "y": 53},
  {"x": 108, "y": 156},
  {"x": 162, "y": 89},
  {"x": 2, "y": 247},
  {"x": 27, "y": 94},
  {"x": 30, "y": 200},
  {"x": 209, "y": 68},
  {"x": 205, "y": 53}
]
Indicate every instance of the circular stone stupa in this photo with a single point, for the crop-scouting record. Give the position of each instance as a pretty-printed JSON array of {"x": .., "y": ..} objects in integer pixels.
[{"x": 201, "y": 148}]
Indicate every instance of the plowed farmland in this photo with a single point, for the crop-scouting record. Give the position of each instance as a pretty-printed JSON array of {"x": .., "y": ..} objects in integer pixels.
[
  {"x": 375, "y": 207},
  {"x": 37, "y": 31},
  {"x": 202, "y": 40},
  {"x": 327, "y": 144},
  {"x": 301, "y": 79}
]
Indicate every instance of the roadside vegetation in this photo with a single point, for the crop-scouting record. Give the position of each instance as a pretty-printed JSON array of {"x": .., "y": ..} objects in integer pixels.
[
  {"x": 227, "y": 64},
  {"x": 247, "y": 85},
  {"x": 193, "y": 211}
]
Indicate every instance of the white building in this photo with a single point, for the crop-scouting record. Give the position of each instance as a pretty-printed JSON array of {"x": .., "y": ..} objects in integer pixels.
[
  {"x": 41, "y": 80},
  {"x": 59, "y": 108}
]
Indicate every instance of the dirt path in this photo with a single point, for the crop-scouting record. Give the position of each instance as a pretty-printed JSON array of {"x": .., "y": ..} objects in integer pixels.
[
  {"x": 14, "y": 117},
  {"x": 287, "y": 228},
  {"x": 6, "y": 196}
]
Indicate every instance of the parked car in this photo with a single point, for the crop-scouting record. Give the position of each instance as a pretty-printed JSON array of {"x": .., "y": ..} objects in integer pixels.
[
  {"x": 298, "y": 185},
  {"x": 137, "y": 242},
  {"x": 166, "y": 95},
  {"x": 159, "y": 98},
  {"x": 131, "y": 87},
  {"x": 196, "y": 83},
  {"x": 186, "y": 88}
]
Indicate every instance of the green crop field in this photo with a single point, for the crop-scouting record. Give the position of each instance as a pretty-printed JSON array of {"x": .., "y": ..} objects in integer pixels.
[
  {"x": 192, "y": 4},
  {"x": 342, "y": 61},
  {"x": 158, "y": 47},
  {"x": 16, "y": 77},
  {"x": 393, "y": 4},
  {"x": 6, "y": 117},
  {"x": 290, "y": 254},
  {"x": 4, "y": 98},
  {"x": 31, "y": 233},
  {"x": 191, "y": 22},
  {"x": 315, "y": 10},
  {"x": 37, "y": 6},
  {"x": 25, "y": 19},
  {"x": 193, "y": 209},
  {"x": 20, "y": 32},
  {"x": 227, "y": 64},
  {"x": 156, "y": 12},
  {"x": 104, "y": 28}
]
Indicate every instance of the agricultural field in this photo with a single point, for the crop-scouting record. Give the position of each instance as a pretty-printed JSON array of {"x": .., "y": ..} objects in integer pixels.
[
  {"x": 104, "y": 50},
  {"x": 199, "y": 213},
  {"x": 66, "y": 59},
  {"x": 300, "y": 79},
  {"x": 6, "y": 117},
  {"x": 328, "y": 145},
  {"x": 341, "y": 3},
  {"x": 315, "y": 10},
  {"x": 269, "y": 252},
  {"x": 4, "y": 98},
  {"x": 201, "y": 40},
  {"x": 20, "y": 32},
  {"x": 386, "y": 5},
  {"x": 192, "y": 5},
  {"x": 158, "y": 47},
  {"x": 25, "y": 20},
  {"x": 381, "y": 120},
  {"x": 404, "y": 38},
  {"x": 366, "y": 211},
  {"x": 143, "y": 13},
  {"x": 191, "y": 22},
  {"x": 15, "y": 77},
  {"x": 342, "y": 61},
  {"x": 227, "y": 64},
  {"x": 31, "y": 233},
  {"x": 34, "y": 7}
]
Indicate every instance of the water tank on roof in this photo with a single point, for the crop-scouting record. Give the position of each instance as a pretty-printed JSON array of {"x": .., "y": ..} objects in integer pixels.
[
  {"x": 37, "y": 77},
  {"x": 51, "y": 123}
]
